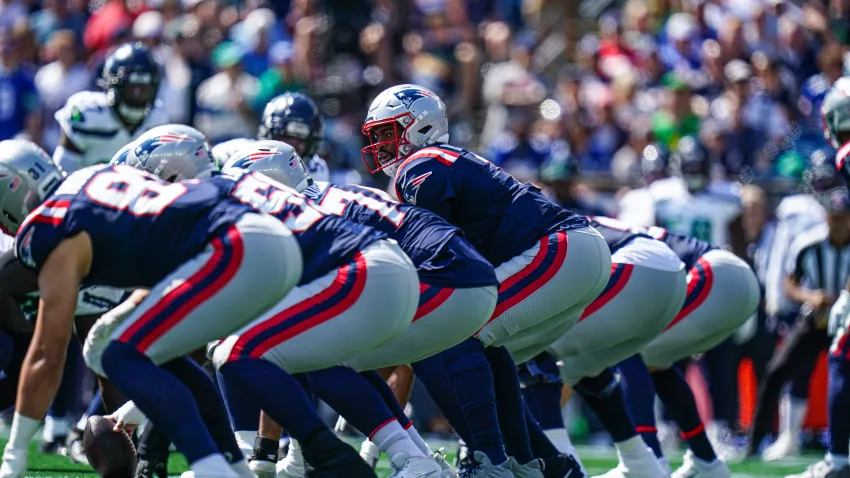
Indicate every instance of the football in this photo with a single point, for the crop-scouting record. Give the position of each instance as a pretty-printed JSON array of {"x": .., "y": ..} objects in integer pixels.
[{"x": 110, "y": 453}]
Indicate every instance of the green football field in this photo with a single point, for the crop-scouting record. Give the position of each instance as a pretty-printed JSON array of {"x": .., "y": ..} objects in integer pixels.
[{"x": 597, "y": 461}]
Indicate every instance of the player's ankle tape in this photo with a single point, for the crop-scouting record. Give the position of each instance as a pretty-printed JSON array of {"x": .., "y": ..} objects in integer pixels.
[{"x": 265, "y": 449}]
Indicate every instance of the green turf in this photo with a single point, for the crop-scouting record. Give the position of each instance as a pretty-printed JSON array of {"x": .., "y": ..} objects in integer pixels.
[{"x": 596, "y": 460}]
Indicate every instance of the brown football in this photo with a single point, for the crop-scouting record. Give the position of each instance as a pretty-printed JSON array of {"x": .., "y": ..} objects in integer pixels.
[{"x": 111, "y": 454}]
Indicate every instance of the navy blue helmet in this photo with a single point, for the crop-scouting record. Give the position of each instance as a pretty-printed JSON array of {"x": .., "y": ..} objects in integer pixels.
[
  {"x": 130, "y": 78},
  {"x": 294, "y": 119},
  {"x": 691, "y": 162},
  {"x": 654, "y": 161},
  {"x": 822, "y": 174}
]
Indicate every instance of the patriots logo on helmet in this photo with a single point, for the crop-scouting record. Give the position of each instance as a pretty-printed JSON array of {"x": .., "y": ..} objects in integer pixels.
[
  {"x": 409, "y": 95},
  {"x": 144, "y": 150}
]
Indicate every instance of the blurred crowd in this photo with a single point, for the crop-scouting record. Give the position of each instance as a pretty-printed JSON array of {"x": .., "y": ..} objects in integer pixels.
[{"x": 547, "y": 89}]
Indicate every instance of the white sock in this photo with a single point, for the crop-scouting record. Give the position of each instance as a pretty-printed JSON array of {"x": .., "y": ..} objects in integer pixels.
[
  {"x": 245, "y": 439},
  {"x": 417, "y": 439},
  {"x": 242, "y": 470},
  {"x": 391, "y": 439},
  {"x": 837, "y": 461},
  {"x": 797, "y": 414},
  {"x": 634, "y": 446},
  {"x": 294, "y": 456},
  {"x": 81, "y": 424},
  {"x": 561, "y": 439},
  {"x": 22, "y": 432},
  {"x": 55, "y": 427},
  {"x": 213, "y": 465}
]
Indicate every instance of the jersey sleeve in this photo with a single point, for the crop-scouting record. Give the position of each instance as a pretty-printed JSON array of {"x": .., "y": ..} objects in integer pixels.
[
  {"x": 426, "y": 183},
  {"x": 318, "y": 168},
  {"x": 86, "y": 116},
  {"x": 34, "y": 244}
]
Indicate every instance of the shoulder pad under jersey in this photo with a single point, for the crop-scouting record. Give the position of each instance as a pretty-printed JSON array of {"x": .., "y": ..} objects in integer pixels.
[{"x": 87, "y": 117}]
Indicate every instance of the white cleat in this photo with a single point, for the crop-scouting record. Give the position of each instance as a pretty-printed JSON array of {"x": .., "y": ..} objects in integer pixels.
[
  {"x": 406, "y": 466},
  {"x": 263, "y": 469},
  {"x": 668, "y": 436},
  {"x": 370, "y": 453},
  {"x": 822, "y": 469},
  {"x": 644, "y": 466},
  {"x": 692, "y": 467},
  {"x": 439, "y": 457},
  {"x": 532, "y": 469},
  {"x": 723, "y": 441},
  {"x": 292, "y": 465},
  {"x": 785, "y": 446}
]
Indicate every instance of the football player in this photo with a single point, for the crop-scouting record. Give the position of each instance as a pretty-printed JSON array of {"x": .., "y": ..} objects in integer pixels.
[
  {"x": 88, "y": 230},
  {"x": 518, "y": 230},
  {"x": 646, "y": 290},
  {"x": 95, "y": 125},
  {"x": 347, "y": 267},
  {"x": 723, "y": 293},
  {"x": 295, "y": 119},
  {"x": 637, "y": 207},
  {"x": 223, "y": 151}
]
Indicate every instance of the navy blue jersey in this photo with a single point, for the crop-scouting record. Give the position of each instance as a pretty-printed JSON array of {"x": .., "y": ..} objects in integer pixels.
[
  {"x": 327, "y": 241},
  {"x": 141, "y": 227},
  {"x": 498, "y": 215},
  {"x": 615, "y": 233},
  {"x": 441, "y": 255},
  {"x": 689, "y": 249}
]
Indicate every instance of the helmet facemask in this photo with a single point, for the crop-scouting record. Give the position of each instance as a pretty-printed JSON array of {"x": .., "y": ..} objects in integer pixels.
[{"x": 389, "y": 145}]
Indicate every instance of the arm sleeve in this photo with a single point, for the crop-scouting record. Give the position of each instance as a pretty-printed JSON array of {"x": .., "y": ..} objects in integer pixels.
[{"x": 427, "y": 185}]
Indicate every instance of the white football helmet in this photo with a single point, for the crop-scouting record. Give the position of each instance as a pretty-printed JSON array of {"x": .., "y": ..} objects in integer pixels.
[
  {"x": 223, "y": 151},
  {"x": 835, "y": 111},
  {"x": 173, "y": 152},
  {"x": 276, "y": 160},
  {"x": 417, "y": 117},
  {"x": 27, "y": 178}
]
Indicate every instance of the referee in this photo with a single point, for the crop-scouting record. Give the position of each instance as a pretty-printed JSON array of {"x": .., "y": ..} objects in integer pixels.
[{"x": 817, "y": 271}]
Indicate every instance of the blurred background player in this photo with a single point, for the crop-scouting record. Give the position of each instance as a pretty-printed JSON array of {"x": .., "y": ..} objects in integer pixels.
[
  {"x": 295, "y": 119},
  {"x": 95, "y": 125}
]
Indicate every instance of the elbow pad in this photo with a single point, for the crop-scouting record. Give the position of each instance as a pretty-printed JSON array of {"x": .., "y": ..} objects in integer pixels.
[{"x": 67, "y": 160}]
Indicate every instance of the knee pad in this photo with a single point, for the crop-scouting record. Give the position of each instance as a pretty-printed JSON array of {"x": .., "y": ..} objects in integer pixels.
[
  {"x": 542, "y": 369},
  {"x": 600, "y": 386}
]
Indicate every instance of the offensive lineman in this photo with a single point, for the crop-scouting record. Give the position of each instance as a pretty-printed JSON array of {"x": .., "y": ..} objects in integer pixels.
[
  {"x": 550, "y": 263},
  {"x": 95, "y": 125}
]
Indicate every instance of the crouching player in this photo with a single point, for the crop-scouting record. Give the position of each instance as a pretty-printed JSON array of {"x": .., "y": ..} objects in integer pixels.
[
  {"x": 645, "y": 291},
  {"x": 96, "y": 228}
]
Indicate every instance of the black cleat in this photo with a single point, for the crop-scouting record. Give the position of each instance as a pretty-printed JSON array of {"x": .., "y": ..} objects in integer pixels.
[
  {"x": 560, "y": 466},
  {"x": 151, "y": 469},
  {"x": 54, "y": 447},
  {"x": 74, "y": 447}
]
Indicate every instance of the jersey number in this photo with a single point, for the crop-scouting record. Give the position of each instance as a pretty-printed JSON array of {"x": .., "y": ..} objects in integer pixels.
[
  {"x": 275, "y": 198},
  {"x": 337, "y": 200},
  {"x": 134, "y": 193}
]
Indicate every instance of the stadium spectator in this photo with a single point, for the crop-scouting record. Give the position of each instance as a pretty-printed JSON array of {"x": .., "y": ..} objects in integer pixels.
[
  {"x": 57, "y": 15},
  {"x": 19, "y": 108}
]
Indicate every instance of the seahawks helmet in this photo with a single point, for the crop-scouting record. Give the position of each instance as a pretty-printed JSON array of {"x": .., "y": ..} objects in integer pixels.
[
  {"x": 173, "y": 152},
  {"x": 691, "y": 163},
  {"x": 130, "y": 78},
  {"x": 821, "y": 175},
  {"x": 835, "y": 111},
  {"x": 294, "y": 119},
  {"x": 654, "y": 161},
  {"x": 276, "y": 160},
  {"x": 223, "y": 151},
  {"x": 417, "y": 117},
  {"x": 27, "y": 178}
]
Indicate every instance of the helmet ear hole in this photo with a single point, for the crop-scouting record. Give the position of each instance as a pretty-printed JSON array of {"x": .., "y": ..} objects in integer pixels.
[
  {"x": 426, "y": 129},
  {"x": 10, "y": 217}
]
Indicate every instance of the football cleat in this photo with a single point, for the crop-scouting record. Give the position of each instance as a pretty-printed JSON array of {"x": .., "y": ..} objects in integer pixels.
[
  {"x": 643, "y": 465},
  {"x": 481, "y": 467},
  {"x": 692, "y": 467},
  {"x": 370, "y": 453},
  {"x": 786, "y": 445},
  {"x": 74, "y": 446},
  {"x": 822, "y": 469},
  {"x": 151, "y": 469},
  {"x": 56, "y": 446},
  {"x": 532, "y": 469},
  {"x": 406, "y": 466},
  {"x": 292, "y": 465},
  {"x": 263, "y": 468}
]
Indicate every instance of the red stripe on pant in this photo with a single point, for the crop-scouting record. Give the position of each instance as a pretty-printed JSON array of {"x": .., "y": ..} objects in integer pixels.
[
  {"x": 612, "y": 292},
  {"x": 237, "y": 251},
  {"x": 432, "y": 304},
  {"x": 704, "y": 279}
]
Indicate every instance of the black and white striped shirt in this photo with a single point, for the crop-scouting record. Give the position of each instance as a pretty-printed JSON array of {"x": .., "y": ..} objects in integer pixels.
[{"x": 819, "y": 264}]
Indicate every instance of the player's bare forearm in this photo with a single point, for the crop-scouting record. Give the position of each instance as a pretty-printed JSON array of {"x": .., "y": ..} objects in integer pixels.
[
  {"x": 59, "y": 283},
  {"x": 269, "y": 428}
]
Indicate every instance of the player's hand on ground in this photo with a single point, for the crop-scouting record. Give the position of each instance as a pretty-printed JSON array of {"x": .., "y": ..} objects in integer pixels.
[
  {"x": 820, "y": 300},
  {"x": 127, "y": 418},
  {"x": 14, "y": 463}
]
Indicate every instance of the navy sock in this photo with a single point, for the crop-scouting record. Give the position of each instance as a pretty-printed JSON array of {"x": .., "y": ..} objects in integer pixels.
[
  {"x": 509, "y": 405},
  {"x": 386, "y": 392},
  {"x": 96, "y": 406},
  {"x": 541, "y": 446},
  {"x": 839, "y": 403},
  {"x": 66, "y": 397},
  {"x": 353, "y": 397},
  {"x": 603, "y": 394},
  {"x": 164, "y": 398},
  {"x": 243, "y": 410},
  {"x": 639, "y": 392},
  {"x": 431, "y": 372},
  {"x": 277, "y": 393},
  {"x": 542, "y": 392},
  {"x": 210, "y": 404},
  {"x": 677, "y": 397},
  {"x": 7, "y": 347}
]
